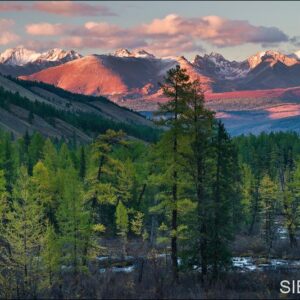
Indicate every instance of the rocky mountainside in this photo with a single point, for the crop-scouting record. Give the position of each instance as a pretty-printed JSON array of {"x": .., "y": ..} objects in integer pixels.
[
  {"x": 21, "y": 61},
  {"x": 124, "y": 76},
  {"x": 30, "y": 106},
  {"x": 261, "y": 93},
  {"x": 131, "y": 78}
]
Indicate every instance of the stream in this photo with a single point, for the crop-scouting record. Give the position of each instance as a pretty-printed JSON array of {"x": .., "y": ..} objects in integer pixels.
[{"x": 241, "y": 264}]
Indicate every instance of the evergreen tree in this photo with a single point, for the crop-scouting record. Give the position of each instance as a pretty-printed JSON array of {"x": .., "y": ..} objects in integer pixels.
[
  {"x": 74, "y": 224},
  {"x": 103, "y": 175},
  {"x": 4, "y": 204},
  {"x": 122, "y": 223},
  {"x": 4, "y": 246},
  {"x": 223, "y": 182},
  {"x": 248, "y": 200},
  {"x": 269, "y": 198},
  {"x": 82, "y": 163},
  {"x": 43, "y": 192},
  {"x": 50, "y": 254},
  {"x": 23, "y": 233},
  {"x": 175, "y": 87},
  {"x": 30, "y": 117},
  {"x": 35, "y": 150},
  {"x": 137, "y": 223},
  {"x": 198, "y": 123},
  {"x": 291, "y": 205}
]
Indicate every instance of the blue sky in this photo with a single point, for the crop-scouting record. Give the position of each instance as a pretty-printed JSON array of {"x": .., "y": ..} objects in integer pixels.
[{"x": 234, "y": 29}]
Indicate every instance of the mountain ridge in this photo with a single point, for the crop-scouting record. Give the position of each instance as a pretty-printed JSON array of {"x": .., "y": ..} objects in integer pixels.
[{"x": 125, "y": 76}]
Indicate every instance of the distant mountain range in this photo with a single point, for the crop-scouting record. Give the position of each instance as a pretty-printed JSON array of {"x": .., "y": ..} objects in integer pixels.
[
  {"x": 132, "y": 78},
  {"x": 21, "y": 61},
  {"x": 266, "y": 84}
]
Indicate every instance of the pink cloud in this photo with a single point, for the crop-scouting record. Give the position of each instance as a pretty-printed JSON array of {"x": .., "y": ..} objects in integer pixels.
[
  {"x": 101, "y": 43},
  {"x": 171, "y": 35},
  {"x": 7, "y": 36},
  {"x": 71, "y": 8},
  {"x": 102, "y": 29},
  {"x": 80, "y": 42},
  {"x": 46, "y": 29},
  {"x": 66, "y": 8},
  {"x": 218, "y": 31},
  {"x": 172, "y": 46}
]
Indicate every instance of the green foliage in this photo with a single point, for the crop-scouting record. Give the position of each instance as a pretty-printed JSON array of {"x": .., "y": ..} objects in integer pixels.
[
  {"x": 122, "y": 219},
  {"x": 74, "y": 224},
  {"x": 24, "y": 233},
  {"x": 137, "y": 223},
  {"x": 268, "y": 193},
  {"x": 90, "y": 123},
  {"x": 196, "y": 188}
]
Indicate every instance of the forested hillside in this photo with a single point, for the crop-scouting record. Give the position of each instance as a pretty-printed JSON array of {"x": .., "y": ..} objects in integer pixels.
[
  {"x": 28, "y": 106},
  {"x": 174, "y": 218}
]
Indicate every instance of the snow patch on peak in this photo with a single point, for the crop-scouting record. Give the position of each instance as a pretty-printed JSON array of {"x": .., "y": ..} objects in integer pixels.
[
  {"x": 216, "y": 64},
  {"x": 21, "y": 56},
  {"x": 272, "y": 56},
  {"x": 137, "y": 53},
  {"x": 256, "y": 59},
  {"x": 122, "y": 53},
  {"x": 57, "y": 54},
  {"x": 18, "y": 56},
  {"x": 143, "y": 54}
]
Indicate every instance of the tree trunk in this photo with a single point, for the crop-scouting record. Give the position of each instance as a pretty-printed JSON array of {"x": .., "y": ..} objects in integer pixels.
[
  {"x": 217, "y": 200},
  {"x": 254, "y": 214},
  {"x": 174, "y": 233},
  {"x": 152, "y": 232},
  {"x": 174, "y": 194},
  {"x": 293, "y": 239}
]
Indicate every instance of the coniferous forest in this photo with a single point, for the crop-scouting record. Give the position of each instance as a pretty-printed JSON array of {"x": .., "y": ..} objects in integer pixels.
[{"x": 193, "y": 214}]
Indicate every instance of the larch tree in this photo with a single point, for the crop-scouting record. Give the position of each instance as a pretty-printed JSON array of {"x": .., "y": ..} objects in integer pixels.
[
  {"x": 198, "y": 126},
  {"x": 175, "y": 87},
  {"x": 50, "y": 253},
  {"x": 24, "y": 233},
  {"x": 75, "y": 228},
  {"x": 4, "y": 246},
  {"x": 268, "y": 193},
  {"x": 122, "y": 223},
  {"x": 102, "y": 173},
  {"x": 4, "y": 204},
  {"x": 223, "y": 189},
  {"x": 43, "y": 192},
  {"x": 248, "y": 195},
  {"x": 291, "y": 205}
]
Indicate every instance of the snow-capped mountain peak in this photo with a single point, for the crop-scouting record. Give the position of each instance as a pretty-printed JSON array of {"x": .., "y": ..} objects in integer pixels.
[
  {"x": 57, "y": 54},
  {"x": 21, "y": 56},
  {"x": 122, "y": 53},
  {"x": 215, "y": 64},
  {"x": 18, "y": 56},
  {"x": 143, "y": 54},
  {"x": 255, "y": 59},
  {"x": 137, "y": 53},
  {"x": 272, "y": 57}
]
